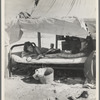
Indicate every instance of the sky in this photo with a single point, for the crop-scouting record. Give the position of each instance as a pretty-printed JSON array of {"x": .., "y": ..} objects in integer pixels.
[{"x": 13, "y": 7}]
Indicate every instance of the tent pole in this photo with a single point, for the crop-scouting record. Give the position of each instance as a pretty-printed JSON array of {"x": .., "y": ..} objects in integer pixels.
[
  {"x": 56, "y": 42},
  {"x": 39, "y": 39}
]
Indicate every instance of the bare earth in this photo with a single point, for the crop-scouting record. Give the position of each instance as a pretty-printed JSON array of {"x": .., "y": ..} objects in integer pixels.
[{"x": 16, "y": 88}]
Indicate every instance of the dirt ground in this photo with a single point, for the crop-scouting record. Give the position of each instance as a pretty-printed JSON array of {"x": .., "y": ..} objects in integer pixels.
[{"x": 20, "y": 88}]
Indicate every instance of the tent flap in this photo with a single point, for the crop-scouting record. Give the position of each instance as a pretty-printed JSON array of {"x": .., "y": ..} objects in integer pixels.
[
  {"x": 14, "y": 32},
  {"x": 67, "y": 26}
]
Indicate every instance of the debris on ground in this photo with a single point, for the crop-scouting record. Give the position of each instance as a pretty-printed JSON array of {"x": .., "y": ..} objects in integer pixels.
[
  {"x": 90, "y": 86},
  {"x": 71, "y": 98},
  {"x": 84, "y": 94}
]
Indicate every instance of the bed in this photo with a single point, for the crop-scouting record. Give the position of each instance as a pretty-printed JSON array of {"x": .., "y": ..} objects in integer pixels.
[{"x": 62, "y": 58}]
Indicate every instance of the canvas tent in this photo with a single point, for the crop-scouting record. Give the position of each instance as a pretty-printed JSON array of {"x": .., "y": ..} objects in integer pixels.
[
  {"x": 65, "y": 8},
  {"x": 59, "y": 17}
]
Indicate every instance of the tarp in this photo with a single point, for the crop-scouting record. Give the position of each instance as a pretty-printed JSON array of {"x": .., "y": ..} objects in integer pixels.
[
  {"x": 65, "y": 26},
  {"x": 56, "y": 17},
  {"x": 65, "y": 8},
  {"x": 91, "y": 24},
  {"x": 14, "y": 32}
]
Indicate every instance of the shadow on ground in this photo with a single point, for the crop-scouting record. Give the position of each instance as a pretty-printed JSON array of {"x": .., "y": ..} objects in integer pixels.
[
  {"x": 30, "y": 80},
  {"x": 66, "y": 76}
]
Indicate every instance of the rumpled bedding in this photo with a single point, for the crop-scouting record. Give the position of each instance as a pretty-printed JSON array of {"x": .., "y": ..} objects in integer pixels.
[
  {"x": 64, "y": 55},
  {"x": 51, "y": 58}
]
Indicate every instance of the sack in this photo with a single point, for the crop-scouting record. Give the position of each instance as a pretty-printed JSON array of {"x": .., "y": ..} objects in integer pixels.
[{"x": 90, "y": 68}]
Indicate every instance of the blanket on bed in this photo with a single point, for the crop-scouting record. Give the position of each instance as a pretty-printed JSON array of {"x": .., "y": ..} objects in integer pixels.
[{"x": 52, "y": 58}]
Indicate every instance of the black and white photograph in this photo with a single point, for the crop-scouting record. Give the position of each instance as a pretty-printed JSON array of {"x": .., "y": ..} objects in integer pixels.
[{"x": 50, "y": 50}]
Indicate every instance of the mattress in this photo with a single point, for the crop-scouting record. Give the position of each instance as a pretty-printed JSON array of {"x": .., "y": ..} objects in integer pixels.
[{"x": 59, "y": 58}]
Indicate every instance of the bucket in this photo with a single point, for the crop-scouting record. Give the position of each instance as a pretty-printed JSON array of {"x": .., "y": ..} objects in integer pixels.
[{"x": 48, "y": 76}]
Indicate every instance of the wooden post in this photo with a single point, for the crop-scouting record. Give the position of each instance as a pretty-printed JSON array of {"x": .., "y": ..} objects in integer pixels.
[
  {"x": 56, "y": 42},
  {"x": 39, "y": 39}
]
